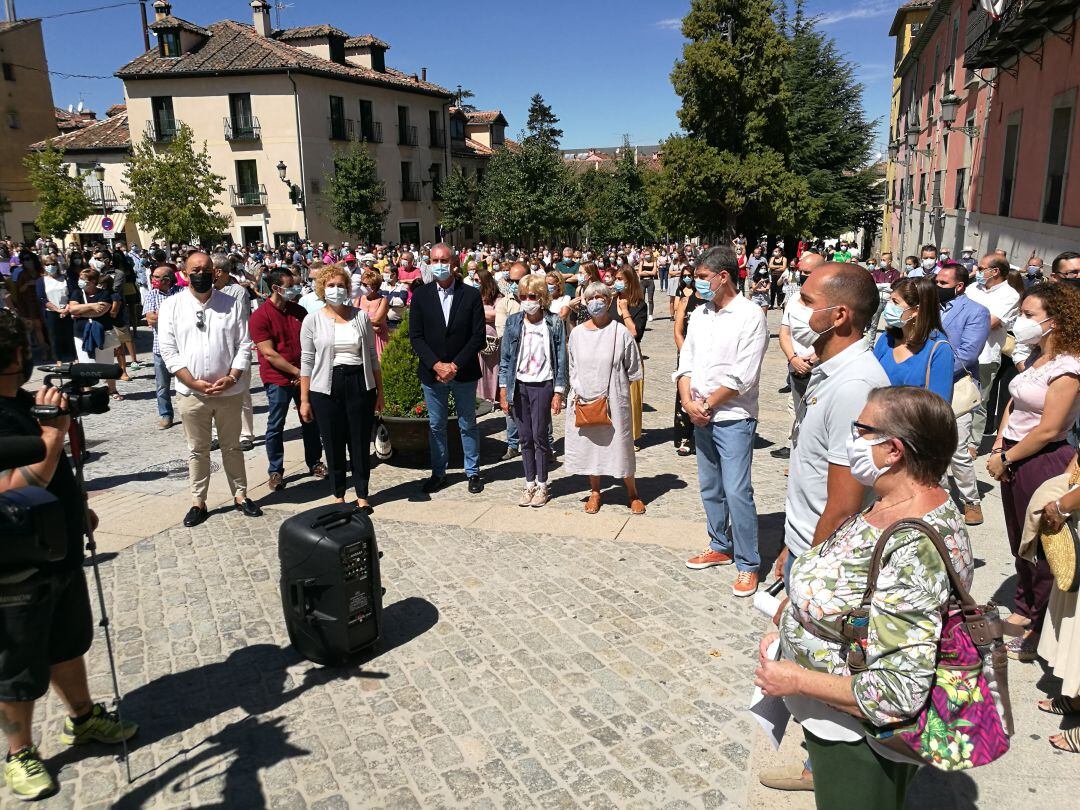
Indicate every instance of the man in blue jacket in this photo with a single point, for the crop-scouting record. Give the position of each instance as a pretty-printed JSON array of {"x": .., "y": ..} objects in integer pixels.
[{"x": 967, "y": 325}]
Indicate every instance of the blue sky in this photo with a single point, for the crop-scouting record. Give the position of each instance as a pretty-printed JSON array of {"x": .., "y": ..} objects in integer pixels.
[{"x": 602, "y": 65}]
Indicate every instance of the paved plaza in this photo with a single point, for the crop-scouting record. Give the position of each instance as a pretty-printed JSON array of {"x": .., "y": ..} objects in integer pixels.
[{"x": 530, "y": 658}]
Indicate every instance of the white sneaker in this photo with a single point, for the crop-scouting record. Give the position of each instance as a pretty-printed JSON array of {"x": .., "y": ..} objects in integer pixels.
[
  {"x": 541, "y": 496},
  {"x": 527, "y": 493},
  {"x": 650, "y": 317}
]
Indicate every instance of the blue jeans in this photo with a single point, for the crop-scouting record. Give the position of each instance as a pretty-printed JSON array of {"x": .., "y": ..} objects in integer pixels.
[
  {"x": 511, "y": 433},
  {"x": 163, "y": 383},
  {"x": 724, "y": 453},
  {"x": 437, "y": 398},
  {"x": 280, "y": 397}
]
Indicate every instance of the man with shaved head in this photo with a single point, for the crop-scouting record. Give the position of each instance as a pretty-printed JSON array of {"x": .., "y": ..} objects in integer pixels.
[{"x": 830, "y": 315}]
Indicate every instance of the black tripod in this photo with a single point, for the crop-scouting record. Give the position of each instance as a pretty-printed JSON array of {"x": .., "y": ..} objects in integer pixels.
[{"x": 91, "y": 546}]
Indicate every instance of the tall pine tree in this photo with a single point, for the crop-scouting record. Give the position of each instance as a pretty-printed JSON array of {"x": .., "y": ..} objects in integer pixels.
[
  {"x": 541, "y": 125},
  {"x": 357, "y": 196}
]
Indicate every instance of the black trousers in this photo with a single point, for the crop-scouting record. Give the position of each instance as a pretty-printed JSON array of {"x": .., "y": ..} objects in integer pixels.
[
  {"x": 776, "y": 293},
  {"x": 61, "y": 336},
  {"x": 346, "y": 418}
]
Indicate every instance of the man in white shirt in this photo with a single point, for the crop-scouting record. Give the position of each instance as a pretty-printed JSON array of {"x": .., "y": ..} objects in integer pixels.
[
  {"x": 992, "y": 291},
  {"x": 719, "y": 367},
  {"x": 203, "y": 340},
  {"x": 801, "y": 358}
]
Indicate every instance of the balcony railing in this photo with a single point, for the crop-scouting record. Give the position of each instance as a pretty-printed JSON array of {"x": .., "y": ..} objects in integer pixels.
[
  {"x": 94, "y": 193},
  {"x": 162, "y": 130},
  {"x": 407, "y": 136},
  {"x": 339, "y": 129},
  {"x": 372, "y": 133},
  {"x": 410, "y": 192},
  {"x": 990, "y": 43},
  {"x": 242, "y": 129},
  {"x": 438, "y": 138},
  {"x": 248, "y": 197}
]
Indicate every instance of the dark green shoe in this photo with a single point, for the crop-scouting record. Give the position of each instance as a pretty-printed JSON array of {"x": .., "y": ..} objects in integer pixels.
[
  {"x": 101, "y": 726},
  {"x": 25, "y": 774}
]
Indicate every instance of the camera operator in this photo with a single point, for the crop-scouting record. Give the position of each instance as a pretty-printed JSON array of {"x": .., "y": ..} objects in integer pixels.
[{"x": 46, "y": 625}]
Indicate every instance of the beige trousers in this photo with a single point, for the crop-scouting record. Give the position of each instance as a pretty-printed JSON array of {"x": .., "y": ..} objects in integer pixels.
[
  {"x": 199, "y": 414},
  {"x": 247, "y": 430}
]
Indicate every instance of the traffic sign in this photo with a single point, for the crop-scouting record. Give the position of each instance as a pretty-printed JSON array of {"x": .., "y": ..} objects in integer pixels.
[{"x": 106, "y": 224}]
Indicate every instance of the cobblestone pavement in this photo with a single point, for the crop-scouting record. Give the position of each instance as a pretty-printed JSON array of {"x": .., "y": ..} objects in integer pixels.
[{"x": 531, "y": 658}]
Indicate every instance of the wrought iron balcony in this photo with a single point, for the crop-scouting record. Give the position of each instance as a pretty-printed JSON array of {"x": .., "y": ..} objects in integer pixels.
[
  {"x": 162, "y": 130},
  {"x": 372, "y": 133},
  {"x": 242, "y": 129},
  {"x": 407, "y": 136},
  {"x": 410, "y": 192},
  {"x": 438, "y": 138},
  {"x": 339, "y": 129},
  {"x": 1019, "y": 30},
  {"x": 100, "y": 195},
  {"x": 248, "y": 197}
]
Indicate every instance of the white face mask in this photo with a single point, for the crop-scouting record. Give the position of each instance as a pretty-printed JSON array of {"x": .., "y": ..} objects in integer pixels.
[
  {"x": 929, "y": 264},
  {"x": 799, "y": 315},
  {"x": 530, "y": 307},
  {"x": 860, "y": 453},
  {"x": 97, "y": 264},
  {"x": 1028, "y": 332},
  {"x": 336, "y": 295}
]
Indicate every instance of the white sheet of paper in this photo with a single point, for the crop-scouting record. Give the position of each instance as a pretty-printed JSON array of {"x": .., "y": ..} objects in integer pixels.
[{"x": 770, "y": 712}]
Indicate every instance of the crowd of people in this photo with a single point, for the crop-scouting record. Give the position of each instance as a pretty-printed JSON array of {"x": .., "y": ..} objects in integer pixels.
[{"x": 900, "y": 379}]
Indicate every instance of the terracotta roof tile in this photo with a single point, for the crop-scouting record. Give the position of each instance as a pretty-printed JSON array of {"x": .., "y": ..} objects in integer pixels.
[
  {"x": 365, "y": 41},
  {"x": 115, "y": 109},
  {"x": 167, "y": 23},
  {"x": 110, "y": 133},
  {"x": 308, "y": 32},
  {"x": 484, "y": 116},
  {"x": 67, "y": 121},
  {"x": 236, "y": 48}
]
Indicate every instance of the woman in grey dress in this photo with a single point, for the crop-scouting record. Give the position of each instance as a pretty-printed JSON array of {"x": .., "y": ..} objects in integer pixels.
[{"x": 604, "y": 359}]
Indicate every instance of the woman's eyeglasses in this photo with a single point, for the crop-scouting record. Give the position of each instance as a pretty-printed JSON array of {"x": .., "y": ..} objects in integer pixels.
[{"x": 530, "y": 296}]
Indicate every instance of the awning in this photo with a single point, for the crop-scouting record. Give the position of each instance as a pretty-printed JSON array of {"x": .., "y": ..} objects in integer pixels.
[{"x": 92, "y": 224}]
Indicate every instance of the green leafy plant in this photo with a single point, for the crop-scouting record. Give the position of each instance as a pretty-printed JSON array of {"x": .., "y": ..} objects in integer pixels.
[
  {"x": 402, "y": 394},
  {"x": 60, "y": 195},
  {"x": 357, "y": 197}
]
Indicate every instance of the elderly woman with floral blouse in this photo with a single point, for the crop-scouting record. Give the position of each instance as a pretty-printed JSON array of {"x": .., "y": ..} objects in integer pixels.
[{"x": 901, "y": 445}]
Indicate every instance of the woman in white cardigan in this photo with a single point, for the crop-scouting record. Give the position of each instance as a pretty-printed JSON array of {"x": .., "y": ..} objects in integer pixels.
[{"x": 341, "y": 382}]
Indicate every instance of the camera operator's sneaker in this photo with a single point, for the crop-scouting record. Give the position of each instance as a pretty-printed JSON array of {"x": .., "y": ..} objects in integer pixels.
[
  {"x": 25, "y": 774},
  {"x": 100, "y": 726}
]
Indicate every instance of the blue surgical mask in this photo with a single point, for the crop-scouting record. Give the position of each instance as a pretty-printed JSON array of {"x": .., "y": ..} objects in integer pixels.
[
  {"x": 441, "y": 272},
  {"x": 597, "y": 306},
  {"x": 551, "y": 289},
  {"x": 512, "y": 289},
  {"x": 620, "y": 286},
  {"x": 980, "y": 278},
  {"x": 894, "y": 315},
  {"x": 704, "y": 289}
]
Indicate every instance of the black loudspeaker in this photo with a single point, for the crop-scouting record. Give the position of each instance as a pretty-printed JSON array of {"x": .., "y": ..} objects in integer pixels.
[{"x": 331, "y": 589}]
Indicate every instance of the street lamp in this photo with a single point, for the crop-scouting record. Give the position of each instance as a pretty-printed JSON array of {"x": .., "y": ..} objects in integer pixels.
[
  {"x": 296, "y": 194},
  {"x": 894, "y": 150},
  {"x": 281, "y": 167},
  {"x": 99, "y": 175},
  {"x": 950, "y": 106},
  {"x": 913, "y": 132}
]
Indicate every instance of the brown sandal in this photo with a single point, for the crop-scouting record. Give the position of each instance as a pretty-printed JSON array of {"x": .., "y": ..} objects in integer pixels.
[
  {"x": 637, "y": 507},
  {"x": 593, "y": 504}
]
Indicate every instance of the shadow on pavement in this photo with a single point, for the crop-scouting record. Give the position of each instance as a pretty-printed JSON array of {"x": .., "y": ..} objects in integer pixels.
[
  {"x": 256, "y": 680},
  {"x": 943, "y": 791}
]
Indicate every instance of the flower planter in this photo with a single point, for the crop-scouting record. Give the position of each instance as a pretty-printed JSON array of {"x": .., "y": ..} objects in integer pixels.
[{"x": 410, "y": 436}]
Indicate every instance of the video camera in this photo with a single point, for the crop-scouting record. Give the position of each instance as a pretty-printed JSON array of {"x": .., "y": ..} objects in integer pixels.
[
  {"x": 78, "y": 381},
  {"x": 32, "y": 528}
]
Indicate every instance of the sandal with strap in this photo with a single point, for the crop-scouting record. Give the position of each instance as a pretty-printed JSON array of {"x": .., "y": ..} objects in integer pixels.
[
  {"x": 593, "y": 504},
  {"x": 1071, "y": 740},
  {"x": 637, "y": 507},
  {"x": 1059, "y": 705}
]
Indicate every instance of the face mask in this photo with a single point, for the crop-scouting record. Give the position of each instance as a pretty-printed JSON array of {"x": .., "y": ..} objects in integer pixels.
[
  {"x": 799, "y": 315},
  {"x": 52, "y": 269},
  {"x": 1027, "y": 331},
  {"x": 704, "y": 289},
  {"x": 502, "y": 275},
  {"x": 596, "y": 307},
  {"x": 441, "y": 272},
  {"x": 620, "y": 263},
  {"x": 966, "y": 254},
  {"x": 551, "y": 289},
  {"x": 908, "y": 268},
  {"x": 871, "y": 265},
  {"x": 688, "y": 281},
  {"x": 82, "y": 283},
  {"x": 534, "y": 267},
  {"x": 980, "y": 278},
  {"x": 580, "y": 278},
  {"x": 894, "y": 315},
  {"x": 365, "y": 289},
  {"x": 291, "y": 293},
  {"x": 201, "y": 282},
  {"x": 620, "y": 286},
  {"x": 946, "y": 294},
  {"x": 335, "y": 295},
  {"x": 530, "y": 307},
  {"x": 861, "y": 460},
  {"x": 929, "y": 264},
  {"x": 512, "y": 289},
  {"x": 1033, "y": 269}
]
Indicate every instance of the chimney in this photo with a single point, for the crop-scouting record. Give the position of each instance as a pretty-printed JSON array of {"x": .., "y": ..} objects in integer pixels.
[
  {"x": 423, "y": 74},
  {"x": 162, "y": 9},
  {"x": 260, "y": 10},
  {"x": 9, "y": 8}
]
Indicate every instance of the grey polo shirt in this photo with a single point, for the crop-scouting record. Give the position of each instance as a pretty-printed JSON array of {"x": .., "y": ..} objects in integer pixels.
[{"x": 835, "y": 395}]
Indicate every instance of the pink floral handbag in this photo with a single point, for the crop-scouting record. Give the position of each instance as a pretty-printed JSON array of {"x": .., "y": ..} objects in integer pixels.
[{"x": 967, "y": 720}]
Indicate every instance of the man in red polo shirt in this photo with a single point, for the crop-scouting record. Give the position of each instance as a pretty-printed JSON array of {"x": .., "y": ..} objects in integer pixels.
[{"x": 275, "y": 331}]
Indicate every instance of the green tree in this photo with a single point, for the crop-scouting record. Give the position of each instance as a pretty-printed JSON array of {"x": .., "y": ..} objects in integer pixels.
[
  {"x": 541, "y": 125},
  {"x": 356, "y": 194},
  {"x": 458, "y": 199},
  {"x": 461, "y": 103},
  {"x": 630, "y": 204},
  {"x": 60, "y": 195},
  {"x": 596, "y": 190},
  {"x": 172, "y": 193},
  {"x": 725, "y": 171},
  {"x": 831, "y": 152},
  {"x": 528, "y": 192}
]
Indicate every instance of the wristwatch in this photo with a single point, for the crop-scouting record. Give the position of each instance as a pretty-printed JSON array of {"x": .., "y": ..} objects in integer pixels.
[
  {"x": 706, "y": 407},
  {"x": 234, "y": 379}
]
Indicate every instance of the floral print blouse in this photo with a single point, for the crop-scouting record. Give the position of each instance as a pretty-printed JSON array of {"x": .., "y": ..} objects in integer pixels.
[{"x": 905, "y": 613}]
